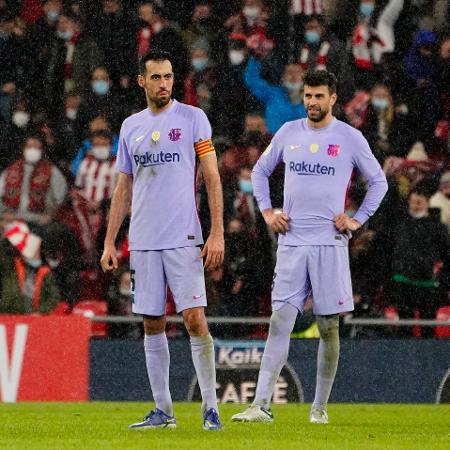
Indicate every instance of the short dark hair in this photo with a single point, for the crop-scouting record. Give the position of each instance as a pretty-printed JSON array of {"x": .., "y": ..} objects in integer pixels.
[
  {"x": 153, "y": 55},
  {"x": 314, "y": 78},
  {"x": 421, "y": 189}
]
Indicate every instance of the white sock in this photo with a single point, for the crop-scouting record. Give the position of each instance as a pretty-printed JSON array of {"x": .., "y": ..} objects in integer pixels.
[
  {"x": 157, "y": 358},
  {"x": 275, "y": 353},
  {"x": 203, "y": 357},
  {"x": 327, "y": 358}
]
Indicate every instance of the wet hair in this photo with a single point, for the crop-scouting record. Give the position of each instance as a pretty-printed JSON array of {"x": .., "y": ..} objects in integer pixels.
[
  {"x": 153, "y": 55},
  {"x": 314, "y": 78}
]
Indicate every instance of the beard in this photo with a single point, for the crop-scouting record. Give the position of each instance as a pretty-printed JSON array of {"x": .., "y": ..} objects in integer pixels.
[
  {"x": 159, "y": 101},
  {"x": 320, "y": 117}
]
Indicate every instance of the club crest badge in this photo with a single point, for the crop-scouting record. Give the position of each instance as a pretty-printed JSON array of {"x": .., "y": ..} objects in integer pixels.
[
  {"x": 334, "y": 150},
  {"x": 175, "y": 134}
]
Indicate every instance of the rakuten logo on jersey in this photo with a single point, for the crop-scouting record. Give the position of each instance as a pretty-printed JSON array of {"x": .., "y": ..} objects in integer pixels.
[
  {"x": 317, "y": 169},
  {"x": 156, "y": 159}
]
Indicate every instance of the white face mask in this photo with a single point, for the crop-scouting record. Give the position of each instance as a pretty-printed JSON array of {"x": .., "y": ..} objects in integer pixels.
[
  {"x": 418, "y": 214},
  {"x": 53, "y": 263},
  {"x": 100, "y": 152},
  {"x": 236, "y": 57},
  {"x": 251, "y": 12},
  {"x": 125, "y": 291},
  {"x": 71, "y": 114},
  {"x": 20, "y": 119},
  {"x": 32, "y": 154},
  {"x": 293, "y": 87}
]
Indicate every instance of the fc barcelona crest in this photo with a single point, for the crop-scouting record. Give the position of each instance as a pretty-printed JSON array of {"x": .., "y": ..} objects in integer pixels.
[
  {"x": 334, "y": 150},
  {"x": 175, "y": 134}
]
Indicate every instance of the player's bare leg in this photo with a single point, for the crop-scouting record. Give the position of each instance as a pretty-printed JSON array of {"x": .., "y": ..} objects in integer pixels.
[
  {"x": 202, "y": 348},
  {"x": 327, "y": 362}
]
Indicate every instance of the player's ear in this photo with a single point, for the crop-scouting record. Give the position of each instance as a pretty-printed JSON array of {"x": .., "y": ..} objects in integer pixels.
[
  {"x": 141, "y": 81},
  {"x": 333, "y": 99}
]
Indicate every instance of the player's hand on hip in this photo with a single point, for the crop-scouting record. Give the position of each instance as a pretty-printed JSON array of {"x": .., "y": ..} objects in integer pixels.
[
  {"x": 108, "y": 260},
  {"x": 277, "y": 220},
  {"x": 344, "y": 223},
  {"x": 213, "y": 250}
]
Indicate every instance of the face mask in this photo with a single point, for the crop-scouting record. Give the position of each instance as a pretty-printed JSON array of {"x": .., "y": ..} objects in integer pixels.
[
  {"x": 379, "y": 103},
  {"x": 293, "y": 87},
  {"x": 32, "y": 154},
  {"x": 312, "y": 37},
  {"x": 52, "y": 16},
  {"x": 418, "y": 214},
  {"x": 20, "y": 118},
  {"x": 236, "y": 57},
  {"x": 126, "y": 292},
  {"x": 71, "y": 114},
  {"x": 245, "y": 186},
  {"x": 251, "y": 12},
  {"x": 366, "y": 9},
  {"x": 100, "y": 152},
  {"x": 65, "y": 35},
  {"x": 53, "y": 263},
  {"x": 199, "y": 63},
  {"x": 34, "y": 263},
  {"x": 100, "y": 87}
]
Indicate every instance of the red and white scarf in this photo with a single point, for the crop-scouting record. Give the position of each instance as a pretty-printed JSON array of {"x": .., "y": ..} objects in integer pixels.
[
  {"x": 321, "y": 59},
  {"x": 306, "y": 7}
]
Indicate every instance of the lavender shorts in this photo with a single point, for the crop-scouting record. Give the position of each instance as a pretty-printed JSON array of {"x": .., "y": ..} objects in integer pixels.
[
  {"x": 322, "y": 271},
  {"x": 152, "y": 271}
]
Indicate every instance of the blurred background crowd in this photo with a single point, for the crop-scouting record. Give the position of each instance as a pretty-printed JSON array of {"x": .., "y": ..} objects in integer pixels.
[{"x": 68, "y": 79}]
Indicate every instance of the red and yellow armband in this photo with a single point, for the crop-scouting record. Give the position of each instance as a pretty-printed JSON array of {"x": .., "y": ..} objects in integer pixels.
[{"x": 203, "y": 148}]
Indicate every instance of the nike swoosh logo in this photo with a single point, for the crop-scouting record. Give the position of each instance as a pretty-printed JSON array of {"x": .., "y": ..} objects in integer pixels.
[
  {"x": 139, "y": 138},
  {"x": 294, "y": 147}
]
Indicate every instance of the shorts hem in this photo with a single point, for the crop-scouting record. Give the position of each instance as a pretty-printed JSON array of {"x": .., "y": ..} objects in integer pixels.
[
  {"x": 181, "y": 308},
  {"x": 147, "y": 313},
  {"x": 330, "y": 312}
]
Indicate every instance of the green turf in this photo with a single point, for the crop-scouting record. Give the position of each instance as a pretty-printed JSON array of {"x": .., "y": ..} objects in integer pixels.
[{"x": 98, "y": 425}]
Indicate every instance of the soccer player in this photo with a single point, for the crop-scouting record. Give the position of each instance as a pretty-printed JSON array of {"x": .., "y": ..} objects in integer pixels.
[
  {"x": 320, "y": 153},
  {"x": 159, "y": 148}
]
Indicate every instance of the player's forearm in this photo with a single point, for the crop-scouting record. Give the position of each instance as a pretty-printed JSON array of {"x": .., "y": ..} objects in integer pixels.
[
  {"x": 120, "y": 205},
  {"x": 215, "y": 201},
  {"x": 377, "y": 190},
  {"x": 261, "y": 189}
]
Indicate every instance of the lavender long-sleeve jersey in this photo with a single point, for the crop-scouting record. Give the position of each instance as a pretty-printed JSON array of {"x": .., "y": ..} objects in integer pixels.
[
  {"x": 318, "y": 167},
  {"x": 160, "y": 152}
]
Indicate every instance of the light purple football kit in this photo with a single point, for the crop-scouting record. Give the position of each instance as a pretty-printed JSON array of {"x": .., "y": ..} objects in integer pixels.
[
  {"x": 165, "y": 233},
  {"x": 312, "y": 256}
]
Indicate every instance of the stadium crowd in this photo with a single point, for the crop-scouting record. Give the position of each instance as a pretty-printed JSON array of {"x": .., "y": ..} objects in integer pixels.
[{"x": 68, "y": 79}]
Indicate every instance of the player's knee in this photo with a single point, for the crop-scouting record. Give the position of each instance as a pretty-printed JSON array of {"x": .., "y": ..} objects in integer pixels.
[
  {"x": 328, "y": 326},
  {"x": 195, "y": 322},
  {"x": 154, "y": 325}
]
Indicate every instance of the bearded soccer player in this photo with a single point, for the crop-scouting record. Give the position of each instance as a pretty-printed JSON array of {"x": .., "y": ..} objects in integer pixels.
[
  {"x": 320, "y": 153},
  {"x": 158, "y": 152}
]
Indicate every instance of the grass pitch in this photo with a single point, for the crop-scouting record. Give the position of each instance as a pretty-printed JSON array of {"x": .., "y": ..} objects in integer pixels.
[{"x": 98, "y": 425}]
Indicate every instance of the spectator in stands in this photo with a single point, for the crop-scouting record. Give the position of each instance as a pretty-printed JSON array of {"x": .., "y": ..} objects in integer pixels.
[
  {"x": 96, "y": 176},
  {"x": 321, "y": 50},
  {"x": 32, "y": 186},
  {"x": 11, "y": 63},
  {"x": 155, "y": 32},
  {"x": 73, "y": 57},
  {"x": 282, "y": 103},
  {"x": 119, "y": 304},
  {"x": 386, "y": 125},
  {"x": 422, "y": 72},
  {"x": 115, "y": 33},
  {"x": 62, "y": 252},
  {"x": 28, "y": 285},
  {"x": 99, "y": 123},
  {"x": 202, "y": 79},
  {"x": 252, "y": 21},
  {"x": 102, "y": 99},
  {"x": 441, "y": 199},
  {"x": 40, "y": 38},
  {"x": 420, "y": 247},
  {"x": 231, "y": 99}
]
